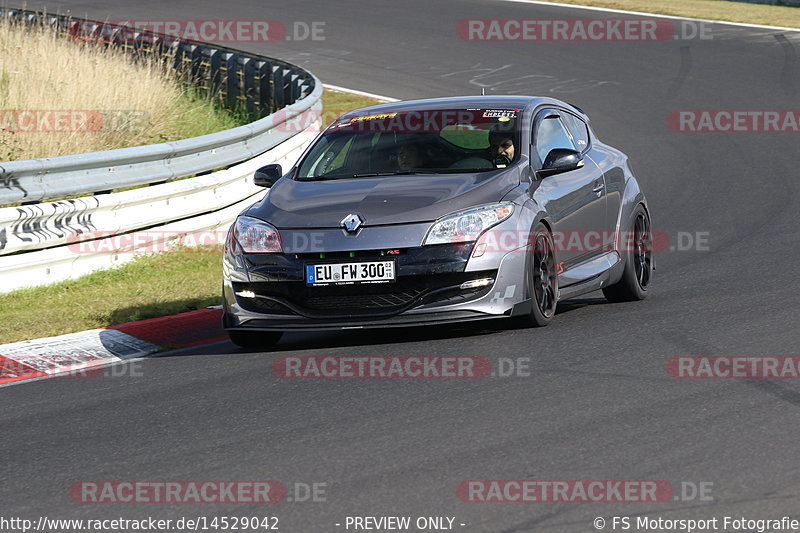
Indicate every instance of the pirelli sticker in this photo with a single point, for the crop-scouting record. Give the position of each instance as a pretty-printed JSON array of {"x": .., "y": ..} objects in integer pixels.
[{"x": 500, "y": 113}]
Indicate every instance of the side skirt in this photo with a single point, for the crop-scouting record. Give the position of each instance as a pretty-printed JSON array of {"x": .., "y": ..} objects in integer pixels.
[{"x": 593, "y": 274}]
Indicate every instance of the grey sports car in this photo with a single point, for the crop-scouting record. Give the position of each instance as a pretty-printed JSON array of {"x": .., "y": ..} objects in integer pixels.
[{"x": 437, "y": 211}]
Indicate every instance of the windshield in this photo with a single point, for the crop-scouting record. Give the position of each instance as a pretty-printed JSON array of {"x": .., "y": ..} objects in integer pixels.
[{"x": 414, "y": 142}]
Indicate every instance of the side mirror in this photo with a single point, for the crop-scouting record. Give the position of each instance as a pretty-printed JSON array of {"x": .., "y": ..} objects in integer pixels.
[
  {"x": 268, "y": 175},
  {"x": 560, "y": 160}
]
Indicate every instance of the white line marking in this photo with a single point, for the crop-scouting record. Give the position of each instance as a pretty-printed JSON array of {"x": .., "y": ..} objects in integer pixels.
[
  {"x": 644, "y": 13},
  {"x": 360, "y": 93}
]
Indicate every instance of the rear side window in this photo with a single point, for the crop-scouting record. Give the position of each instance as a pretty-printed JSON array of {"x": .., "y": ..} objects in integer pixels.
[
  {"x": 551, "y": 134},
  {"x": 578, "y": 129}
]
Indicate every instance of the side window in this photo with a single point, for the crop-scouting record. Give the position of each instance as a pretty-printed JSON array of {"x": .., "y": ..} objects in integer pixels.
[
  {"x": 551, "y": 134},
  {"x": 578, "y": 129},
  {"x": 326, "y": 157},
  {"x": 338, "y": 161}
]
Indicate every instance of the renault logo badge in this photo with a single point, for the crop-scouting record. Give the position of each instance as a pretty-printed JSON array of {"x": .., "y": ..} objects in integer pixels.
[{"x": 351, "y": 223}]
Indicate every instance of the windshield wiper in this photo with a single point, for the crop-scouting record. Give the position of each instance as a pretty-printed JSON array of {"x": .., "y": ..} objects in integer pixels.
[
  {"x": 461, "y": 170},
  {"x": 395, "y": 173}
]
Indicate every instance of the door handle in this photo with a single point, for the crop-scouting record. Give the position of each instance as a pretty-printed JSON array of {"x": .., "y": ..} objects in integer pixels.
[{"x": 598, "y": 189}]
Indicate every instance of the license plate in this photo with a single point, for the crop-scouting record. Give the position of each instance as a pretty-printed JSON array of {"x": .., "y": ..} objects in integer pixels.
[{"x": 350, "y": 273}]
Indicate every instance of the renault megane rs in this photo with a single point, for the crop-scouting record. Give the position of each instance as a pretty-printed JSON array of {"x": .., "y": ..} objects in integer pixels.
[{"x": 437, "y": 211}]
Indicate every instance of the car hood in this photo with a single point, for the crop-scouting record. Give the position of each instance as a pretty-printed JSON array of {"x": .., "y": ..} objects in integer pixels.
[{"x": 379, "y": 200}]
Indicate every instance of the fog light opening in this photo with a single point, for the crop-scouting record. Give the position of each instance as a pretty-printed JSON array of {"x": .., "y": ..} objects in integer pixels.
[
  {"x": 246, "y": 294},
  {"x": 475, "y": 283}
]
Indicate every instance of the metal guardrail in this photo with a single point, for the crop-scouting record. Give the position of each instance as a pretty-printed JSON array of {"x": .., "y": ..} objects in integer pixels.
[
  {"x": 58, "y": 177},
  {"x": 117, "y": 227},
  {"x": 240, "y": 79},
  {"x": 49, "y": 224},
  {"x": 38, "y": 238}
]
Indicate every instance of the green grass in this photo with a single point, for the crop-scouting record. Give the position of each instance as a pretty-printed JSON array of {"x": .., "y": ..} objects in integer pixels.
[
  {"x": 707, "y": 9},
  {"x": 196, "y": 115},
  {"x": 147, "y": 287},
  {"x": 336, "y": 103}
]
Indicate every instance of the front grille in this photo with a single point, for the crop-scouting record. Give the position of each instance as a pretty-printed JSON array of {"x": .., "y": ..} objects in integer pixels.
[
  {"x": 438, "y": 259},
  {"x": 365, "y": 299},
  {"x": 263, "y": 305},
  {"x": 357, "y": 254}
]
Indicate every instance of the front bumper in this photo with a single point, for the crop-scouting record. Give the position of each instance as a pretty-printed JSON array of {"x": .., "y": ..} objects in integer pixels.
[{"x": 268, "y": 291}]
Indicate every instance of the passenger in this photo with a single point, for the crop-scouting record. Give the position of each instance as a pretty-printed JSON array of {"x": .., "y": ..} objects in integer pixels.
[{"x": 409, "y": 156}]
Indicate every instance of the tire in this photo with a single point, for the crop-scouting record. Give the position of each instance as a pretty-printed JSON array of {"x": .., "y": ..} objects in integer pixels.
[
  {"x": 638, "y": 272},
  {"x": 541, "y": 279},
  {"x": 254, "y": 339}
]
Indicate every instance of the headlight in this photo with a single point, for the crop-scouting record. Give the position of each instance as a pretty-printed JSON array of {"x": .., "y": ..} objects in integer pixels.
[
  {"x": 254, "y": 236},
  {"x": 467, "y": 225}
]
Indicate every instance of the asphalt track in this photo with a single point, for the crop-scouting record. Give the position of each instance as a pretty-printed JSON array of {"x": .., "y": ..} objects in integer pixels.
[{"x": 598, "y": 403}]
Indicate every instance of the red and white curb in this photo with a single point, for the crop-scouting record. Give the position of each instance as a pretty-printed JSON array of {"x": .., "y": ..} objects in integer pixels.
[{"x": 106, "y": 346}]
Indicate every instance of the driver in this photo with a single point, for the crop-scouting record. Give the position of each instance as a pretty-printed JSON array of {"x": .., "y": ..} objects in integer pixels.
[{"x": 501, "y": 148}]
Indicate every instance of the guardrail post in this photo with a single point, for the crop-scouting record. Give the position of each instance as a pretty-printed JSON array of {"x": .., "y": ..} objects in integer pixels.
[
  {"x": 287, "y": 86},
  {"x": 248, "y": 73},
  {"x": 305, "y": 88},
  {"x": 296, "y": 81},
  {"x": 232, "y": 79},
  {"x": 195, "y": 63},
  {"x": 278, "y": 94},
  {"x": 184, "y": 59},
  {"x": 213, "y": 76},
  {"x": 265, "y": 86}
]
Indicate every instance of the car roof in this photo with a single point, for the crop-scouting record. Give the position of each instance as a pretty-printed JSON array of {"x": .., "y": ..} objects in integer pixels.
[{"x": 460, "y": 102}]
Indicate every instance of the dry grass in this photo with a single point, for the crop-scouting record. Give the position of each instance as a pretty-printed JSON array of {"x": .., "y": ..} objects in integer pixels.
[
  {"x": 109, "y": 100},
  {"x": 706, "y": 9}
]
